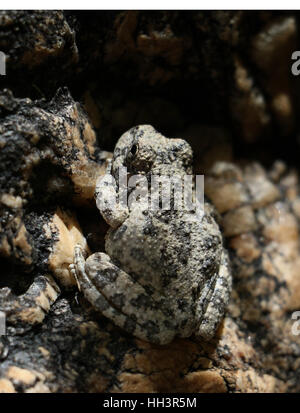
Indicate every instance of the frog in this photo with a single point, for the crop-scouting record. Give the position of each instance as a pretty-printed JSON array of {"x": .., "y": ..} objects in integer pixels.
[{"x": 165, "y": 272}]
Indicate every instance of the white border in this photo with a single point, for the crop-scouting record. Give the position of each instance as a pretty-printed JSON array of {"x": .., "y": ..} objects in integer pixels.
[{"x": 155, "y": 5}]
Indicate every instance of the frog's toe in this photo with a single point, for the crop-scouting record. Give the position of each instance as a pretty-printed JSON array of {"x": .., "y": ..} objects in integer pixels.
[
  {"x": 79, "y": 252},
  {"x": 218, "y": 302},
  {"x": 72, "y": 268}
]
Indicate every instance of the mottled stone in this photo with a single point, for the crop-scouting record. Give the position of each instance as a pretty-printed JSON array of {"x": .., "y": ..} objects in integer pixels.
[{"x": 47, "y": 158}]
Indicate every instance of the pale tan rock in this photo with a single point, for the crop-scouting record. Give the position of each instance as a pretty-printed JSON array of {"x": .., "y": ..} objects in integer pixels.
[
  {"x": 45, "y": 352},
  {"x": 225, "y": 196},
  {"x": 31, "y": 307},
  {"x": 262, "y": 190},
  {"x": 21, "y": 241},
  {"x": 66, "y": 226},
  {"x": 25, "y": 376},
  {"x": 239, "y": 221},
  {"x": 5, "y": 247},
  {"x": 11, "y": 201},
  {"x": 246, "y": 246},
  {"x": 277, "y": 170},
  {"x": 296, "y": 207},
  {"x": 223, "y": 186},
  {"x": 280, "y": 226},
  {"x": 38, "y": 388},
  {"x": 264, "y": 384},
  {"x": 6, "y": 386},
  {"x": 271, "y": 48},
  {"x": 206, "y": 382},
  {"x": 248, "y": 106}
]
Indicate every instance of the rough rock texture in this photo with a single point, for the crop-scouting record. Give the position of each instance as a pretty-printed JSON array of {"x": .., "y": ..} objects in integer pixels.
[
  {"x": 38, "y": 45},
  {"x": 47, "y": 162},
  {"x": 254, "y": 350},
  {"x": 207, "y": 77},
  {"x": 223, "y": 67}
]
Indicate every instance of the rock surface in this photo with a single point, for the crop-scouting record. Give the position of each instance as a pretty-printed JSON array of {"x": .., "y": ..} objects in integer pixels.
[{"x": 52, "y": 152}]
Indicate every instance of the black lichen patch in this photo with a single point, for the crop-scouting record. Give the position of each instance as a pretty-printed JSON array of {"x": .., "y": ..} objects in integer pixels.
[
  {"x": 35, "y": 223},
  {"x": 50, "y": 186}
]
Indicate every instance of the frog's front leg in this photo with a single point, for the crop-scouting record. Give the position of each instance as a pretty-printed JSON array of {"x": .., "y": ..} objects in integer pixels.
[
  {"x": 216, "y": 301},
  {"x": 121, "y": 299},
  {"x": 113, "y": 211}
]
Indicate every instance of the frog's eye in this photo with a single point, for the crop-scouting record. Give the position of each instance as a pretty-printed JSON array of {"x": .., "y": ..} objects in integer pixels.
[{"x": 132, "y": 151}]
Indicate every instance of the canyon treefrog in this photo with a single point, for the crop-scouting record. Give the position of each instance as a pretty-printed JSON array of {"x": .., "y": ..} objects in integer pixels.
[{"x": 165, "y": 273}]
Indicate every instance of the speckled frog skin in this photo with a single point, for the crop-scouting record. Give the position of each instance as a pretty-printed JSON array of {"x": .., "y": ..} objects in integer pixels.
[{"x": 165, "y": 273}]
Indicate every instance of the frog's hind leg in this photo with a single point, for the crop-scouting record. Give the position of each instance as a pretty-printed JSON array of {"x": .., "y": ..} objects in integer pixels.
[
  {"x": 118, "y": 297},
  {"x": 91, "y": 293},
  {"x": 216, "y": 301}
]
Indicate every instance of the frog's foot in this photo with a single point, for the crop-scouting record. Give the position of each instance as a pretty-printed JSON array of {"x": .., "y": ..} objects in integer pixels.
[
  {"x": 78, "y": 265},
  {"x": 217, "y": 302},
  {"x": 120, "y": 298}
]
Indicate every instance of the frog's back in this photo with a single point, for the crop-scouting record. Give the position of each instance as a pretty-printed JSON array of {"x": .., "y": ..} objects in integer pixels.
[{"x": 160, "y": 248}]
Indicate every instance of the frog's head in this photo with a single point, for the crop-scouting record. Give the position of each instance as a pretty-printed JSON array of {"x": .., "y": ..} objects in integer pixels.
[{"x": 143, "y": 150}]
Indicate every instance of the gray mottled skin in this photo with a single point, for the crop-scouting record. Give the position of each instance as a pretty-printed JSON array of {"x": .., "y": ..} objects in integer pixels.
[{"x": 164, "y": 273}]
